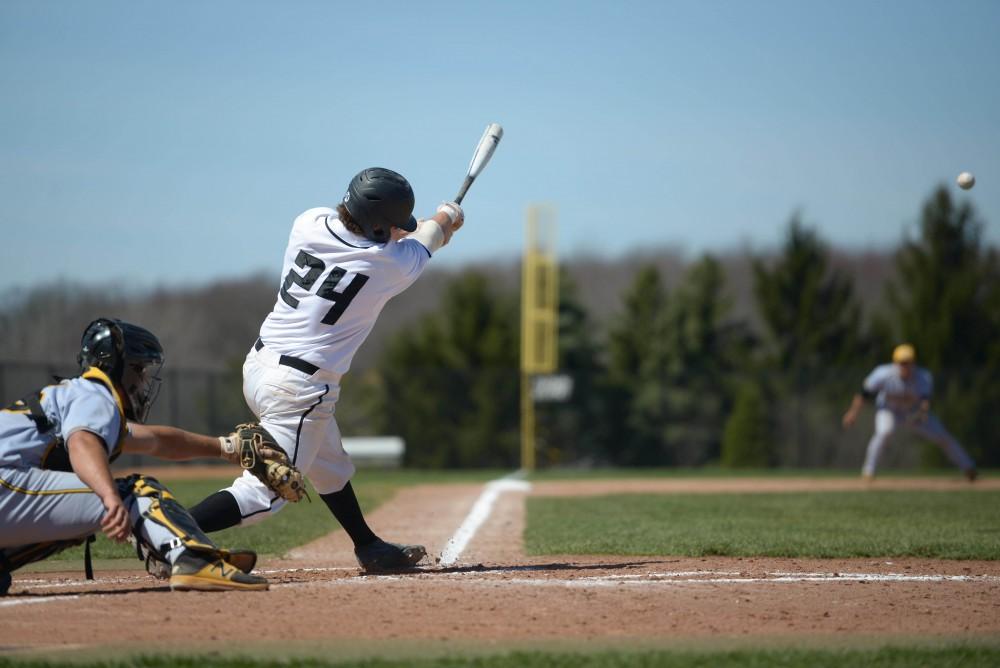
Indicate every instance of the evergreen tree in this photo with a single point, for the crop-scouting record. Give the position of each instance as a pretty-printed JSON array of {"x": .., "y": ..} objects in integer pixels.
[
  {"x": 577, "y": 430},
  {"x": 449, "y": 385},
  {"x": 812, "y": 322},
  {"x": 748, "y": 441},
  {"x": 946, "y": 301},
  {"x": 703, "y": 354},
  {"x": 636, "y": 373}
]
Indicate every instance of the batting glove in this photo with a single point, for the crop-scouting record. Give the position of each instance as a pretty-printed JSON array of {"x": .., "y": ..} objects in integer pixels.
[{"x": 454, "y": 213}]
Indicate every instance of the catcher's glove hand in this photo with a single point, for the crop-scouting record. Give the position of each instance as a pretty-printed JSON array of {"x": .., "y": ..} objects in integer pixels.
[{"x": 255, "y": 450}]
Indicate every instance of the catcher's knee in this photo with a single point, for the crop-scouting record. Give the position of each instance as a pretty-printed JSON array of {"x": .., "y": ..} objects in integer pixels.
[{"x": 158, "y": 505}]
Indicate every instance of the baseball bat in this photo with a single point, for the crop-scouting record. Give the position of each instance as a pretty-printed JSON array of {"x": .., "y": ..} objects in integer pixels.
[{"x": 484, "y": 151}]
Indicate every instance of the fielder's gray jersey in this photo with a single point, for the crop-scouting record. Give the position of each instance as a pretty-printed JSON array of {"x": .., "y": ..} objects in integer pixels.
[
  {"x": 335, "y": 285},
  {"x": 85, "y": 403},
  {"x": 896, "y": 394}
]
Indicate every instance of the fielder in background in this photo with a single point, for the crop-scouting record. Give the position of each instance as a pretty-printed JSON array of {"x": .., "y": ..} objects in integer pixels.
[
  {"x": 902, "y": 393},
  {"x": 341, "y": 266},
  {"x": 56, "y": 486}
]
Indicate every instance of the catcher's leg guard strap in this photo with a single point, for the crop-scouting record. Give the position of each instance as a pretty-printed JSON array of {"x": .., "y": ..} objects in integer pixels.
[{"x": 165, "y": 511}]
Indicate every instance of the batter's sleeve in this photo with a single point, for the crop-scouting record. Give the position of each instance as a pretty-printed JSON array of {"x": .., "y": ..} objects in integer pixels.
[{"x": 409, "y": 257}]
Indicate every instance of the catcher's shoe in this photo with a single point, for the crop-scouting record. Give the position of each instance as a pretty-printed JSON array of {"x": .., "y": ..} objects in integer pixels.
[
  {"x": 204, "y": 572},
  {"x": 383, "y": 556},
  {"x": 245, "y": 560}
]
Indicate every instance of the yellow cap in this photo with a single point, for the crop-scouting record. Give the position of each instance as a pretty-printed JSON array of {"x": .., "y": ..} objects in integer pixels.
[{"x": 904, "y": 352}]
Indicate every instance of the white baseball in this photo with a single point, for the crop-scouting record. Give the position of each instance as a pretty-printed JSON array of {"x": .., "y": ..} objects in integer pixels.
[{"x": 965, "y": 180}]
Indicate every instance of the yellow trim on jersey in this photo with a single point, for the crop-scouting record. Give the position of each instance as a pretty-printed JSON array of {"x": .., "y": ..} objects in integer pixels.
[
  {"x": 43, "y": 492},
  {"x": 93, "y": 373}
]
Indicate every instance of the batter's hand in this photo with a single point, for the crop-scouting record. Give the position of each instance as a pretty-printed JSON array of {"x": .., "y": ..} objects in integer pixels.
[
  {"x": 454, "y": 213},
  {"x": 115, "y": 524}
]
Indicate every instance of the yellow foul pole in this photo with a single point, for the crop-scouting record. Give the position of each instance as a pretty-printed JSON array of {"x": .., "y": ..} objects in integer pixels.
[{"x": 539, "y": 317}]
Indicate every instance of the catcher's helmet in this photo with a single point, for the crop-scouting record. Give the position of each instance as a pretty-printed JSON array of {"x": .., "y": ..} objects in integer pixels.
[
  {"x": 130, "y": 355},
  {"x": 379, "y": 199}
]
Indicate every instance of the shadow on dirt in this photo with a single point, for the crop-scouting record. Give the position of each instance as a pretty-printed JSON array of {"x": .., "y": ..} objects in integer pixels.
[{"x": 558, "y": 566}]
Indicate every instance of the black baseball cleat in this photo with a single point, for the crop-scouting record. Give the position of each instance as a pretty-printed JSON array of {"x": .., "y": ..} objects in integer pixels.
[
  {"x": 971, "y": 474},
  {"x": 5, "y": 581},
  {"x": 381, "y": 556},
  {"x": 201, "y": 571}
]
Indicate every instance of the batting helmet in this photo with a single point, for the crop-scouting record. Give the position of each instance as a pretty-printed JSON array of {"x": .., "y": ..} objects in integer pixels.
[
  {"x": 379, "y": 199},
  {"x": 130, "y": 355}
]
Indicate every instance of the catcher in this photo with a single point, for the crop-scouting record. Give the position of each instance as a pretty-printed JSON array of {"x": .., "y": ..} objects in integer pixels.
[{"x": 56, "y": 486}]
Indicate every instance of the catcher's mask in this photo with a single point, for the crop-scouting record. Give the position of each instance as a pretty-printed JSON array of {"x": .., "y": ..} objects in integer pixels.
[
  {"x": 379, "y": 199},
  {"x": 130, "y": 355}
]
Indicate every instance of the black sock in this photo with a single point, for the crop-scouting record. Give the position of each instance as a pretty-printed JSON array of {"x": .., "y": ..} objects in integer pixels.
[
  {"x": 217, "y": 512},
  {"x": 344, "y": 506}
]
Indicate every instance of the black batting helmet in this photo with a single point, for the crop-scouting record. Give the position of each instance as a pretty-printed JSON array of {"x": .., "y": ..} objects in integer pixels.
[
  {"x": 130, "y": 355},
  {"x": 379, "y": 199}
]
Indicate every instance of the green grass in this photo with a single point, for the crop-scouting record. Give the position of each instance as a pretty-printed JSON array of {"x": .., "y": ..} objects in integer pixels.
[
  {"x": 946, "y": 525},
  {"x": 297, "y": 523},
  {"x": 719, "y": 472},
  {"x": 884, "y": 657}
]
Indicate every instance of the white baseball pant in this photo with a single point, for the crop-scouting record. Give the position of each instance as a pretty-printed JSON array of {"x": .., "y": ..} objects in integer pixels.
[
  {"x": 297, "y": 408},
  {"x": 39, "y": 506}
]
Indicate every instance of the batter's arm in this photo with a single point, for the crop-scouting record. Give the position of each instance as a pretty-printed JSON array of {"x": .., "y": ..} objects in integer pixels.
[
  {"x": 435, "y": 232},
  {"x": 89, "y": 459},
  {"x": 169, "y": 443}
]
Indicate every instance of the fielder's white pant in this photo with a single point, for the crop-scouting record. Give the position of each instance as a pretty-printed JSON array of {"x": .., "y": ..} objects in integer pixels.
[
  {"x": 39, "y": 506},
  {"x": 888, "y": 421},
  {"x": 298, "y": 410}
]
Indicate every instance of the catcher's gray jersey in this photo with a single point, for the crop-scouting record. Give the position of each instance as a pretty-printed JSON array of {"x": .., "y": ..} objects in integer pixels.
[
  {"x": 85, "y": 403},
  {"x": 895, "y": 393}
]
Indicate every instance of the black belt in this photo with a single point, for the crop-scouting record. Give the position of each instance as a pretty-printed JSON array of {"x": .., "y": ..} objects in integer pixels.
[{"x": 294, "y": 362}]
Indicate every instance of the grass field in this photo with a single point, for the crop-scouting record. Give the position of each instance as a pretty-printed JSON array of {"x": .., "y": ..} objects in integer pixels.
[
  {"x": 947, "y": 525},
  {"x": 964, "y": 656}
]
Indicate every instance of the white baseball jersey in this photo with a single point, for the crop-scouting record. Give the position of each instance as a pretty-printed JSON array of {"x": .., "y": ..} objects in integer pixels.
[
  {"x": 896, "y": 394},
  {"x": 335, "y": 285}
]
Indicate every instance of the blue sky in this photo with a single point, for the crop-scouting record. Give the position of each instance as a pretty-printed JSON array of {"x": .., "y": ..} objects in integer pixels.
[{"x": 151, "y": 143}]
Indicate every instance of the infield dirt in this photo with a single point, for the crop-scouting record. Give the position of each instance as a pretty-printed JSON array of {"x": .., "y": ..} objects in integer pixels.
[{"x": 497, "y": 596}]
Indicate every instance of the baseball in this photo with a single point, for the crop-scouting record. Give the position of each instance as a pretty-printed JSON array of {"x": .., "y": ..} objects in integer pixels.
[{"x": 965, "y": 180}]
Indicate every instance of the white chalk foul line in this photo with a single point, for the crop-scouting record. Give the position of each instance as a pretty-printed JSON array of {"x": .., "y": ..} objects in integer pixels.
[
  {"x": 6, "y": 603},
  {"x": 480, "y": 512},
  {"x": 668, "y": 579}
]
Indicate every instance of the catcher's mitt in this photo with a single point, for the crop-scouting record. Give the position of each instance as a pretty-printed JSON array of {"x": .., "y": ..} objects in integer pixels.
[{"x": 256, "y": 451}]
